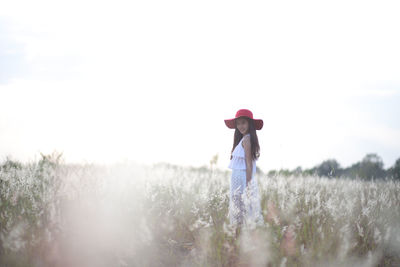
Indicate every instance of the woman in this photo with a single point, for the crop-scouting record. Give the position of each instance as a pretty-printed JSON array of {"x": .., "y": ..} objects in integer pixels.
[{"x": 244, "y": 204}]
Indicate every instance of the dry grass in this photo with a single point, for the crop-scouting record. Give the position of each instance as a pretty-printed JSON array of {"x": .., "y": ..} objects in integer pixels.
[{"x": 129, "y": 215}]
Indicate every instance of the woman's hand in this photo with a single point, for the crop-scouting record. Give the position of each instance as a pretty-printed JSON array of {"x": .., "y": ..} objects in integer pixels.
[{"x": 247, "y": 181}]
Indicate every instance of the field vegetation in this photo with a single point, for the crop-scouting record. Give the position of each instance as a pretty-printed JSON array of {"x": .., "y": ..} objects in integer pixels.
[{"x": 58, "y": 214}]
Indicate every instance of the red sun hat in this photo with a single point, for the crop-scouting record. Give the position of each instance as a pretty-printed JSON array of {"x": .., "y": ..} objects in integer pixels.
[{"x": 258, "y": 123}]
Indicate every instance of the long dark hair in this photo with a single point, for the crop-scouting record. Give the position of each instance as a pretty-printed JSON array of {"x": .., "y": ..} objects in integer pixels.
[{"x": 255, "y": 147}]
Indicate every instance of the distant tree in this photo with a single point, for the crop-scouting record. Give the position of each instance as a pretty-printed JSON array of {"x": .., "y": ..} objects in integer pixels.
[
  {"x": 285, "y": 172},
  {"x": 297, "y": 172},
  {"x": 310, "y": 172},
  {"x": 272, "y": 173},
  {"x": 352, "y": 171},
  {"x": 371, "y": 166},
  {"x": 394, "y": 171},
  {"x": 329, "y": 168}
]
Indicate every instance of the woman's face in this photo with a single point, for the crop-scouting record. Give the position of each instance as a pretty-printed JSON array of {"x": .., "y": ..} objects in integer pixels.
[{"x": 243, "y": 125}]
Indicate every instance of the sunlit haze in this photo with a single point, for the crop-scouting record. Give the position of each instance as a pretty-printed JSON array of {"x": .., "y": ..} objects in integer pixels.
[{"x": 151, "y": 81}]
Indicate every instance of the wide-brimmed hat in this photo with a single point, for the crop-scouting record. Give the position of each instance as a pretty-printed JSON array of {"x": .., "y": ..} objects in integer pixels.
[{"x": 258, "y": 123}]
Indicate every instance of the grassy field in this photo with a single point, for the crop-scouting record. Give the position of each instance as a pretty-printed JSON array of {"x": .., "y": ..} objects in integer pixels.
[{"x": 54, "y": 214}]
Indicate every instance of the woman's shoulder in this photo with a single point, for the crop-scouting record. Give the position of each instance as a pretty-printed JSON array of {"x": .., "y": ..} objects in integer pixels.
[{"x": 245, "y": 138}]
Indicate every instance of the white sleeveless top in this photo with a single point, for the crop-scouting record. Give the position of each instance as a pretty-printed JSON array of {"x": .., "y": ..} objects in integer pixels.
[{"x": 238, "y": 160}]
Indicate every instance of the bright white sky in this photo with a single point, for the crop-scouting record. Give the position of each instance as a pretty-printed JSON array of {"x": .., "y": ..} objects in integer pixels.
[{"x": 148, "y": 81}]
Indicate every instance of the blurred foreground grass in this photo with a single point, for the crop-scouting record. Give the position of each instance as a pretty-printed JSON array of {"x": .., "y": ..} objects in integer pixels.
[{"x": 57, "y": 214}]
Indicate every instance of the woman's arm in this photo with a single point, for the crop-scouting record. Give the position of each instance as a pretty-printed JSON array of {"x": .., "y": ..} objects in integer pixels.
[{"x": 249, "y": 161}]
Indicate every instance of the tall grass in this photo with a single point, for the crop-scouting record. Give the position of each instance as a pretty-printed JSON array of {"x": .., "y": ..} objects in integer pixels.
[{"x": 57, "y": 214}]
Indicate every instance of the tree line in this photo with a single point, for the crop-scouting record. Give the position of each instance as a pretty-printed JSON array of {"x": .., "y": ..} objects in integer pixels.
[{"x": 369, "y": 168}]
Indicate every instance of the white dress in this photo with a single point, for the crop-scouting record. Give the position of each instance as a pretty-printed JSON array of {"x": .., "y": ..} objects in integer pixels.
[{"x": 244, "y": 203}]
